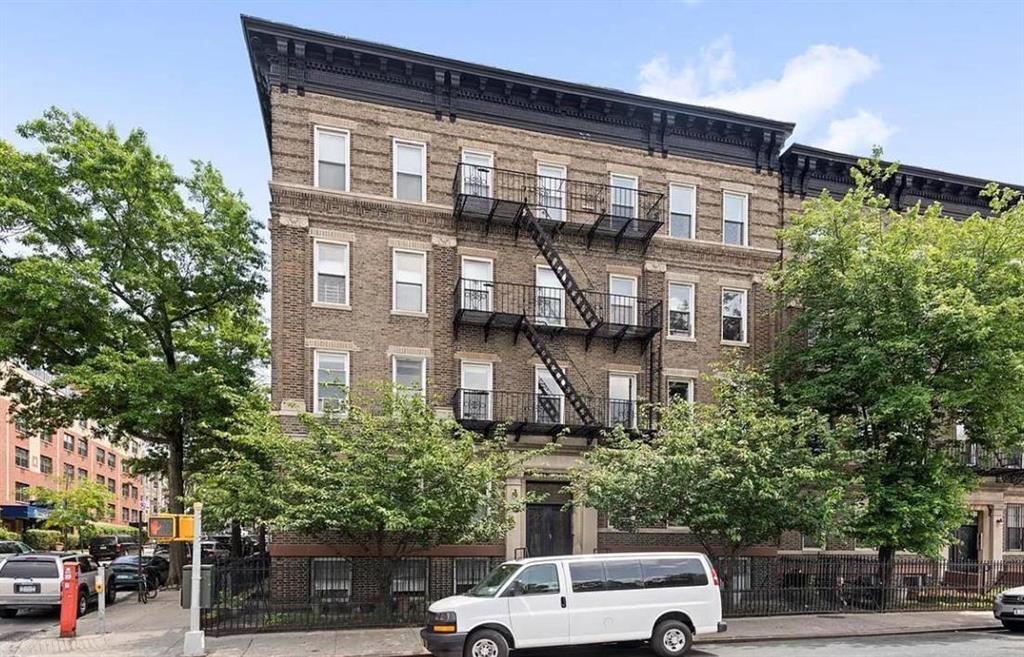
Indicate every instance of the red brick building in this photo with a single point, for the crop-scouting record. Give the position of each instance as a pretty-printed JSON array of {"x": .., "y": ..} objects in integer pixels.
[{"x": 63, "y": 457}]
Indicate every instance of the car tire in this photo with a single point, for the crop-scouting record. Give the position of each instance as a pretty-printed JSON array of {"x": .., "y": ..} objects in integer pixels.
[
  {"x": 485, "y": 643},
  {"x": 671, "y": 638},
  {"x": 8, "y": 613},
  {"x": 110, "y": 593},
  {"x": 83, "y": 601},
  {"x": 1014, "y": 626}
]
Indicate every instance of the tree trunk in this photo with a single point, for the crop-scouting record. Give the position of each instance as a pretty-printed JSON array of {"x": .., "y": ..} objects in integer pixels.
[
  {"x": 236, "y": 539},
  {"x": 886, "y": 559},
  {"x": 176, "y": 495},
  {"x": 261, "y": 542}
]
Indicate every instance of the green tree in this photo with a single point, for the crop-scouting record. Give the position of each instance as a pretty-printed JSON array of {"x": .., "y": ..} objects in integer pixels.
[
  {"x": 909, "y": 323},
  {"x": 737, "y": 472},
  {"x": 139, "y": 289},
  {"x": 73, "y": 508}
]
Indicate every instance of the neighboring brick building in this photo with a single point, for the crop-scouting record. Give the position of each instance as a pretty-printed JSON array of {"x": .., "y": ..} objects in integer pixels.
[
  {"x": 531, "y": 251},
  {"x": 60, "y": 458}
]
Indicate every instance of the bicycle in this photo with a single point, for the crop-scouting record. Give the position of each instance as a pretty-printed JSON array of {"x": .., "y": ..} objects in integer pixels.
[{"x": 149, "y": 586}]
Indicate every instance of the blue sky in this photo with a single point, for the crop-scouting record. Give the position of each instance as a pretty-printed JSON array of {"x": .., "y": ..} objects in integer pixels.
[{"x": 940, "y": 85}]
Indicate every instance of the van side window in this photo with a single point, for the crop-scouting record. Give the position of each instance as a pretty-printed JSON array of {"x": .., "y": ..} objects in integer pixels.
[
  {"x": 622, "y": 575},
  {"x": 670, "y": 573},
  {"x": 538, "y": 580},
  {"x": 587, "y": 576}
]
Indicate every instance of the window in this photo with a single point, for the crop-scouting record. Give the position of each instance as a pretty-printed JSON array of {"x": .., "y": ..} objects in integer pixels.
[
  {"x": 623, "y": 200},
  {"x": 21, "y": 457},
  {"x": 409, "y": 578},
  {"x": 469, "y": 571},
  {"x": 135, "y": 492},
  {"x": 541, "y": 579},
  {"x": 1014, "y": 522},
  {"x": 331, "y": 578},
  {"x": 622, "y": 399},
  {"x": 331, "y": 153},
  {"x": 125, "y": 515},
  {"x": 409, "y": 374},
  {"x": 21, "y": 425},
  {"x": 409, "y": 275},
  {"x": 101, "y": 455},
  {"x": 680, "y": 389},
  {"x": 125, "y": 490},
  {"x": 550, "y": 401},
  {"x": 125, "y": 466},
  {"x": 332, "y": 378},
  {"x": 69, "y": 442},
  {"x": 477, "y": 283},
  {"x": 100, "y": 479},
  {"x": 670, "y": 573},
  {"x": 587, "y": 576},
  {"x": 622, "y": 300},
  {"x": 682, "y": 199},
  {"x": 734, "y": 218},
  {"x": 549, "y": 298},
  {"x": 475, "y": 400},
  {"x": 135, "y": 515},
  {"x": 83, "y": 447},
  {"x": 46, "y": 465},
  {"x": 551, "y": 185},
  {"x": 734, "y": 316},
  {"x": 410, "y": 179},
  {"x": 331, "y": 267},
  {"x": 83, "y": 474},
  {"x": 623, "y": 575},
  {"x": 680, "y": 310},
  {"x": 477, "y": 168},
  {"x": 46, "y": 437},
  {"x": 69, "y": 472},
  {"x": 111, "y": 511},
  {"x": 111, "y": 459}
]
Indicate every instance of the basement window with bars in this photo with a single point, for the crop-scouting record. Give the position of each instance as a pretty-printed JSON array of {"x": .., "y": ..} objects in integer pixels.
[
  {"x": 331, "y": 266},
  {"x": 1014, "y": 522},
  {"x": 331, "y": 578},
  {"x": 409, "y": 578},
  {"x": 469, "y": 571}
]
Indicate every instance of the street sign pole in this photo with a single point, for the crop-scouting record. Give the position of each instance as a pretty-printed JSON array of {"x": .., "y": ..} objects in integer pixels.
[
  {"x": 195, "y": 639},
  {"x": 101, "y": 597}
]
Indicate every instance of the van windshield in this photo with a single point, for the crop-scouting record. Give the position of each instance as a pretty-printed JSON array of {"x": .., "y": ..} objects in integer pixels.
[{"x": 489, "y": 585}]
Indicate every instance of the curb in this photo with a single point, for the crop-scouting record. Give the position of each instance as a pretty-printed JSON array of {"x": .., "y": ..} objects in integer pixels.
[{"x": 847, "y": 635}]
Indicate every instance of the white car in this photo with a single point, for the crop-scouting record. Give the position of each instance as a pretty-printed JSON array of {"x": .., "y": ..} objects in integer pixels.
[
  {"x": 1008, "y": 608},
  {"x": 33, "y": 580},
  {"x": 663, "y": 597},
  {"x": 10, "y": 548}
]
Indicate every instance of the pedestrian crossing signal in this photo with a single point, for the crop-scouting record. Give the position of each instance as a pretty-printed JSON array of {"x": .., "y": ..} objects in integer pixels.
[{"x": 166, "y": 527}]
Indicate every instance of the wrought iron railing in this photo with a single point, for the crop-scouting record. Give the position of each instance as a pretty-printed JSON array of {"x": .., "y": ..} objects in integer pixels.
[
  {"x": 515, "y": 409},
  {"x": 634, "y": 211},
  {"x": 988, "y": 460},
  {"x": 549, "y": 306}
]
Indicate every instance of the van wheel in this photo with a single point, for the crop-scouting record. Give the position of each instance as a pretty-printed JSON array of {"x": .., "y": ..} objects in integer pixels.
[
  {"x": 671, "y": 638},
  {"x": 486, "y": 643}
]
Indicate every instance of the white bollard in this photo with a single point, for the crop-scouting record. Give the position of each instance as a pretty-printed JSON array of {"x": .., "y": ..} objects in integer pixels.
[
  {"x": 195, "y": 638},
  {"x": 101, "y": 598}
]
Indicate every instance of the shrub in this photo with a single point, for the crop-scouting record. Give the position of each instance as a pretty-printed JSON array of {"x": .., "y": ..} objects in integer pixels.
[
  {"x": 8, "y": 535},
  {"x": 42, "y": 539},
  {"x": 94, "y": 529}
]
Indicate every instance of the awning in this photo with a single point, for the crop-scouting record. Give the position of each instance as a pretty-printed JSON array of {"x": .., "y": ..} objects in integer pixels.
[{"x": 23, "y": 512}]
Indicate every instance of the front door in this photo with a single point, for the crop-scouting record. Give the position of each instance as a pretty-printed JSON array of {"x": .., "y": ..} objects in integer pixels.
[
  {"x": 548, "y": 530},
  {"x": 965, "y": 543}
]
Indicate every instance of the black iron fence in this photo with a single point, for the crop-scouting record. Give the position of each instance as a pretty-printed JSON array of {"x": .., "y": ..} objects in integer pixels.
[
  {"x": 829, "y": 583},
  {"x": 259, "y": 594}
]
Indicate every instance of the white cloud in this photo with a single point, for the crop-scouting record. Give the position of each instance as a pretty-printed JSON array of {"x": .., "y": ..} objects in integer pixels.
[
  {"x": 811, "y": 84},
  {"x": 857, "y": 133}
]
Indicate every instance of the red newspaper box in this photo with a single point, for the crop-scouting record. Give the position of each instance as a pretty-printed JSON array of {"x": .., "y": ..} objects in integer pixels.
[{"x": 69, "y": 600}]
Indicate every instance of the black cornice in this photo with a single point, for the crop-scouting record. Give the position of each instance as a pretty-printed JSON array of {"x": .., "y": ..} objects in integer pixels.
[
  {"x": 807, "y": 170},
  {"x": 299, "y": 60}
]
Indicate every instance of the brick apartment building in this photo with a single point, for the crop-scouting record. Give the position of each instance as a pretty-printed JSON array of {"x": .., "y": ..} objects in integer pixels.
[
  {"x": 60, "y": 458},
  {"x": 528, "y": 251}
]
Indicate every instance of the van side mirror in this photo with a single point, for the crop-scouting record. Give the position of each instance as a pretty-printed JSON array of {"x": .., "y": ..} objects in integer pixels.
[{"x": 514, "y": 589}]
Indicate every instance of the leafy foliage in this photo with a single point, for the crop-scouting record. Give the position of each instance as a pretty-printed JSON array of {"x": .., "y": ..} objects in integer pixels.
[
  {"x": 909, "y": 323},
  {"x": 736, "y": 473},
  {"x": 42, "y": 539},
  {"x": 73, "y": 508}
]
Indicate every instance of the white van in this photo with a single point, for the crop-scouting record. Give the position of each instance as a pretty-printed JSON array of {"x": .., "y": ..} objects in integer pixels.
[{"x": 664, "y": 597}]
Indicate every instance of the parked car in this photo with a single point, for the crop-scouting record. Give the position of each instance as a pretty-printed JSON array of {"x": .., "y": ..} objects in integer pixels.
[
  {"x": 126, "y": 571},
  {"x": 33, "y": 580},
  {"x": 1008, "y": 609},
  {"x": 104, "y": 548},
  {"x": 11, "y": 548},
  {"x": 664, "y": 597}
]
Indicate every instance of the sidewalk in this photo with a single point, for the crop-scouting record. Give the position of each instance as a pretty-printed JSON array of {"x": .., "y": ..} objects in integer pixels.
[{"x": 157, "y": 629}]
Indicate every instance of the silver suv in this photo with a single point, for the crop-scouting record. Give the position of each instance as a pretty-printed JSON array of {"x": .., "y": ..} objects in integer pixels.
[{"x": 33, "y": 580}]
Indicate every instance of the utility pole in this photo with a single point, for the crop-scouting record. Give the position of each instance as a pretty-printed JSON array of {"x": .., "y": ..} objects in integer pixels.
[{"x": 195, "y": 639}]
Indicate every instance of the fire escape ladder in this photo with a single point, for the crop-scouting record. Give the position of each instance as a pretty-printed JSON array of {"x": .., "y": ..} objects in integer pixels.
[
  {"x": 573, "y": 396},
  {"x": 561, "y": 271}
]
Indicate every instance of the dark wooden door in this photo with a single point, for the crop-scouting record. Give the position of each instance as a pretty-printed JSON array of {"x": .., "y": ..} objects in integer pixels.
[
  {"x": 965, "y": 543},
  {"x": 548, "y": 530}
]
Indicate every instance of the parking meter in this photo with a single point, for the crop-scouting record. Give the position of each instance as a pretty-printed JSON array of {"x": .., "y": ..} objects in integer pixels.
[{"x": 69, "y": 600}]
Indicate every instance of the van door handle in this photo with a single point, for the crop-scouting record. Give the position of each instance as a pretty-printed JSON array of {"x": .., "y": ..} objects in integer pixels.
[{"x": 563, "y": 602}]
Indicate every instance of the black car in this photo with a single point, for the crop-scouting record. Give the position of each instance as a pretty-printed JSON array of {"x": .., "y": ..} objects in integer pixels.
[
  {"x": 104, "y": 548},
  {"x": 126, "y": 571}
]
